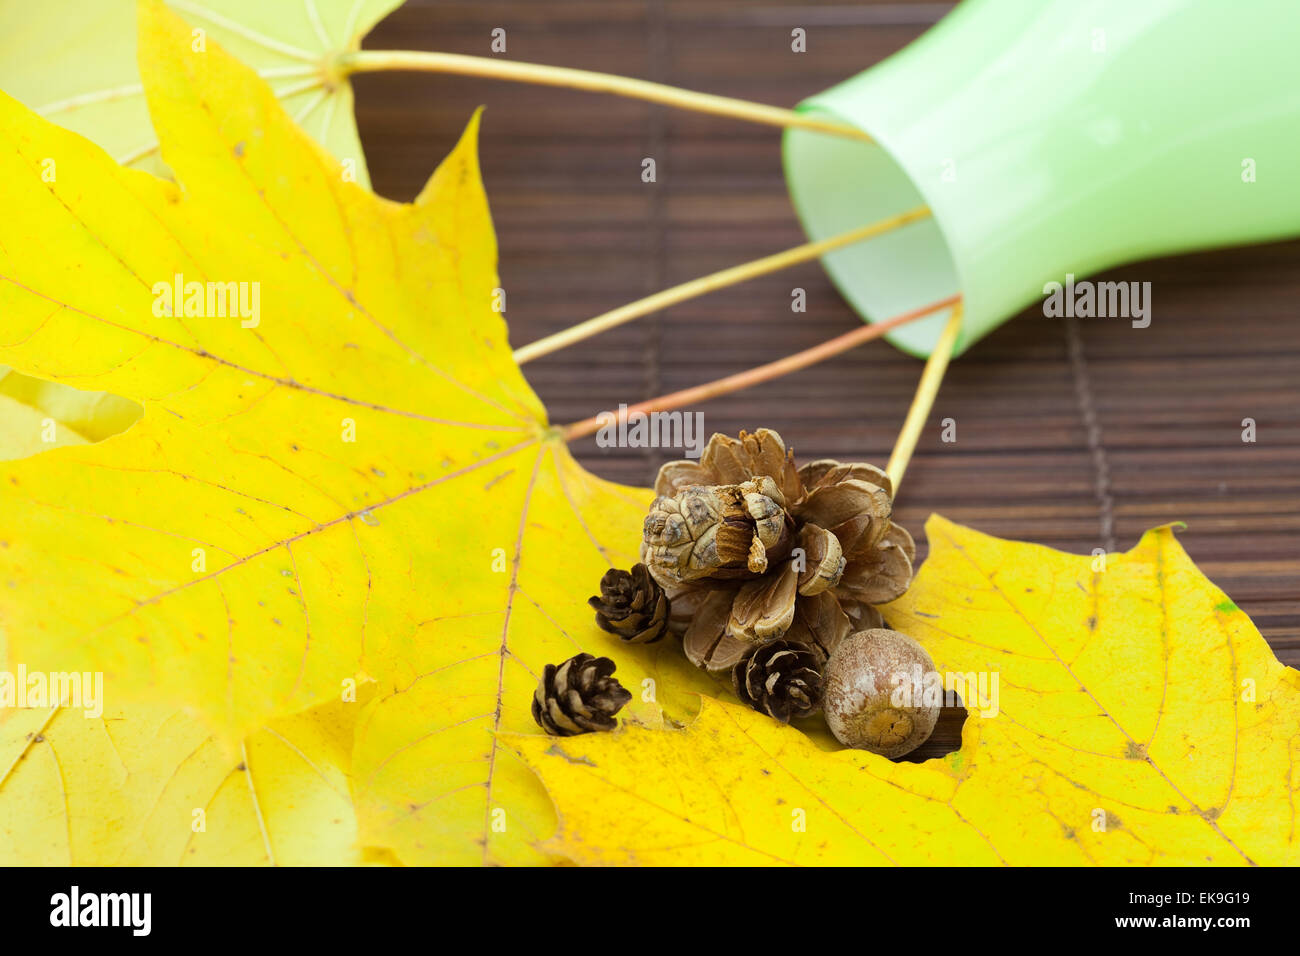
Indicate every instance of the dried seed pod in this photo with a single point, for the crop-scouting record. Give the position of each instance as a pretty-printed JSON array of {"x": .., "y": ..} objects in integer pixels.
[
  {"x": 763, "y": 609},
  {"x": 882, "y": 574},
  {"x": 780, "y": 679},
  {"x": 873, "y": 697},
  {"x": 632, "y": 605},
  {"x": 862, "y": 617},
  {"x": 730, "y": 461},
  {"x": 823, "y": 560},
  {"x": 723, "y": 532},
  {"x": 684, "y": 601},
  {"x": 821, "y": 622},
  {"x": 579, "y": 696},
  {"x": 706, "y": 642},
  {"x": 716, "y": 532},
  {"x": 827, "y": 471},
  {"x": 857, "y": 512}
]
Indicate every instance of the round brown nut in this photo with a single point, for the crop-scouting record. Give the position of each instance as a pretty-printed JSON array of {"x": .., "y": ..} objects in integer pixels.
[{"x": 873, "y": 693}]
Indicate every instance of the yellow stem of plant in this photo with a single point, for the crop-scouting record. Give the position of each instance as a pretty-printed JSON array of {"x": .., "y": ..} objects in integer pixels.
[
  {"x": 753, "y": 376},
  {"x": 926, "y": 390},
  {"x": 711, "y": 283},
  {"x": 370, "y": 61}
]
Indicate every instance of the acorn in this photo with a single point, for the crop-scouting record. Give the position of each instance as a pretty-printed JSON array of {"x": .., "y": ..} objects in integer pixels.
[{"x": 873, "y": 693}]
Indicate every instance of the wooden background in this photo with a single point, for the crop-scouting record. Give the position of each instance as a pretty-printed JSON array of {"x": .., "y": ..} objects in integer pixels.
[{"x": 1075, "y": 435}]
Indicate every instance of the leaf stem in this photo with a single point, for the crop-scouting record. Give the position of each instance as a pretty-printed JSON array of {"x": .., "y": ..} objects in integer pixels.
[
  {"x": 711, "y": 283},
  {"x": 370, "y": 61},
  {"x": 926, "y": 390},
  {"x": 753, "y": 376}
]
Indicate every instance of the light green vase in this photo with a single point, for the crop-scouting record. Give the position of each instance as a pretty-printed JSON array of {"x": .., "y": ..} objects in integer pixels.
[{"x": 1053, "y": 137}]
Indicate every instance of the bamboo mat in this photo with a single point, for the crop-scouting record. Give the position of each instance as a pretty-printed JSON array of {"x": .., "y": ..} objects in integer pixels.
[{"x": 580, "y": 233}]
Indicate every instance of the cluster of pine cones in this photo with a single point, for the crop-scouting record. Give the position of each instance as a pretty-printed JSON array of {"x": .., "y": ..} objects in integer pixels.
[{"x": 760, "y": 567}]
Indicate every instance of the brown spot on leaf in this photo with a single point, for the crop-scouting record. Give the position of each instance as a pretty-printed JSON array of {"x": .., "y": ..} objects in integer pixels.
[{"x": 555, "y": 750}]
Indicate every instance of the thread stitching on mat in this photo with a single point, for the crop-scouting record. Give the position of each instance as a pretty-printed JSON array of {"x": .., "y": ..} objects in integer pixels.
[{"x": 1088, "y": 411}]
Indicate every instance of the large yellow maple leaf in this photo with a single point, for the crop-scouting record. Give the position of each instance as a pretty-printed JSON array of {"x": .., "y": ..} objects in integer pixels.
[
  {"x": 150, "y": 785},
  {"x": 355, "y": 481},
  {"x": 1139, "y": 719},
  {"x": 361, "y": 483}
]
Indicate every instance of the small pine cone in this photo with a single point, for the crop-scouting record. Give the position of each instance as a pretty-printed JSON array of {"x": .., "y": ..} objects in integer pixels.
[
  {"x": 632, "y": 605},
  {"x": 578, "y": 697},
  {"x": 781, "y": 679}
]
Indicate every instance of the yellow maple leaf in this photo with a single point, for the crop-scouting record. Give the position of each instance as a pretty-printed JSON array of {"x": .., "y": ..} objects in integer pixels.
[
  {"x": 150, "y": 786},
  {"x": 1139, "y": 719},
  {"x": 40, "y": 415},
  {"x": 75, "y": 63},
  {"x": 353, "y": 478}
]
